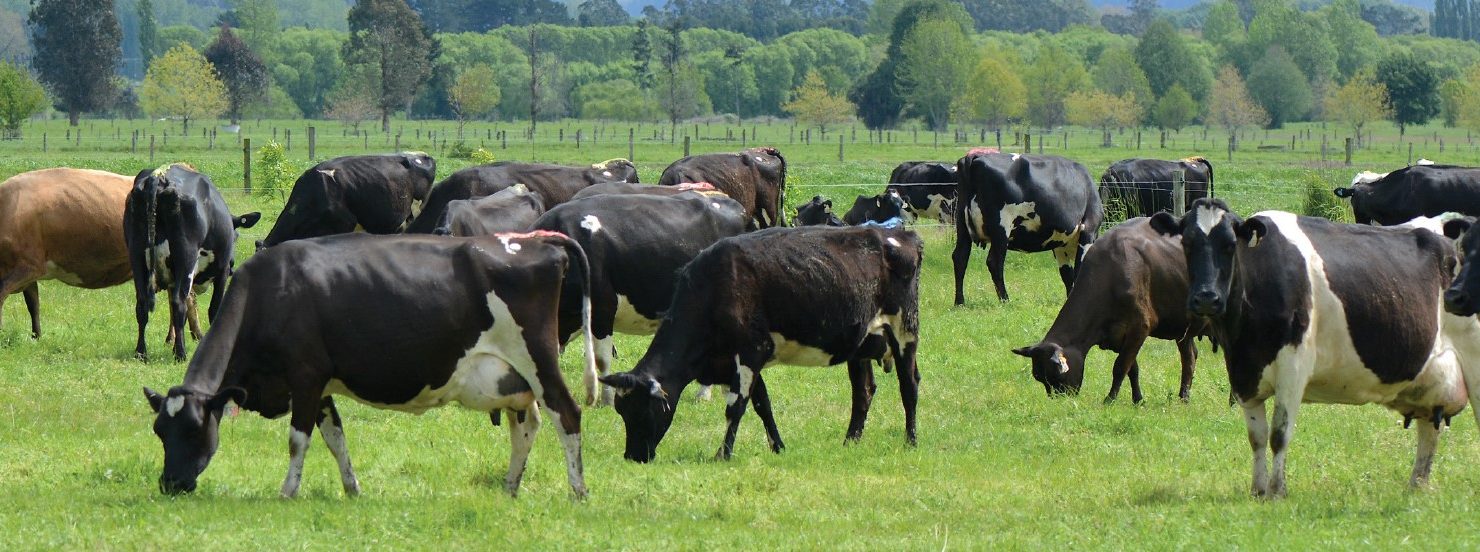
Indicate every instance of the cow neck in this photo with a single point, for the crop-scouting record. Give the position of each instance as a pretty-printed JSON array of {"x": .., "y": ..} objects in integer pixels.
[
  {"x": 1079, "y": 331},
  {"x": 210, "y": 366},
  {"x": 677, "y": 355}
]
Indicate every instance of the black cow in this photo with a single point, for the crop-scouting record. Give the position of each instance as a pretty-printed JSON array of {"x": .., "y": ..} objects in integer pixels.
[
  {"x": 875, "y": 208},
  {"x": 1418, "y": 190},
  {"x": 556, "y": 184},
  {"x": 512, "y": 209},
  {"x": 378, "y": 194},
  {"x": 407, "y": 323},
  {"x": 812, "y": 296},
  {"x": 929, "y": 189},
  {"x": 1144, "y": 186},
  {"x": 817, "y": 212},
  {"x": 755, "y": 177},
  {"x": 1313, "y": 311},
  {"x": 1132, "y": 285},
  {"x": 610, "y": 188},
  {"x": 636, "y": 244},
  {"x": 1026, "y": 203},
  {"x": 180, "y": 236}
]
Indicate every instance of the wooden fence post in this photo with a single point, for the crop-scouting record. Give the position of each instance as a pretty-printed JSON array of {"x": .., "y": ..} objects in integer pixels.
[
  {"x": 247, "y": 165},
  {"x": 1348, "y": 152},
  {"x": 840, "y": 147},
  {"x": 1179, "y": 192},
  {"x": 311, "y": 136},
  {"x": 685, "y": 146},
  {"x": 151, "y": 149},
  {"x": 630, "y": 139}
]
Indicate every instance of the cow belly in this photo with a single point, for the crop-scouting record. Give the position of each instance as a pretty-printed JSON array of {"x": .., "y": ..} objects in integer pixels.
[
  {"x": 482, "y": 382},
  {"x": 631, "y": 322},
  {"x": 795, "y": 353},
  {"x": 56, "y": 272}
]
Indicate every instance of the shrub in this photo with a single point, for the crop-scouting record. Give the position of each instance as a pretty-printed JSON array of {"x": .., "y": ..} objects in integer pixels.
[
  {"x": 1320, "y": 202},
  {"x": 274, "y": 175}
]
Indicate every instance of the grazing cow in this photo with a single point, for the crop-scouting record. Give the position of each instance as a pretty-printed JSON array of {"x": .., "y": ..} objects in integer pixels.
[
  {"x": 180, "y": 237},
  {"x": 1144, "y": 186},
  {"x": 755, "y": 177},
  {"x": 1313, "y": 311},
  {"x": 1026, "y": 203},
  {"x": 875, "y": 208},
  {"x": 1413, "y": 191},
  {"x": 811, "y": 296},
  {"x": 61, "y": 224},
  {"x": 817, "y": 212},
  {"x": 929, "y": 189},
  {"x": 555, "y": 184},
  {"x": 610, "y": 188},
  {"x": 636, "y": 244},
  {"x": 378, "y": 194},
  {"x": 405, "y": 323},
  {"x": 1132, "y": 285},
  {"x": 512, "y": 209}
]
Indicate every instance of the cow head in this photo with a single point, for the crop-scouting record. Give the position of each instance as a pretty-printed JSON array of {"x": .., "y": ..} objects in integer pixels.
[
  {"x": 1211, "y": 235},
  {"x": 617, "y": 169},
  {"x": 876, "y": 208},
  {"x": 186, "y": 422},
  {"x": 421, "y": 164},
  {"x": 646, "y": 410},
  {"x": 1059, "y": 370},
  {"x": 1459, "y": 299},
  {"x": 817, "y": 212}
]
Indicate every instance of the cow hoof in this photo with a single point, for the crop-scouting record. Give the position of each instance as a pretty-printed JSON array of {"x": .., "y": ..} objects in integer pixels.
[
  {"x": 512, "y": 488},
  {"x": 579, "y": 494},
  {"x": 141, "y": 357},
  {"x": 352, "y": 490},
  {"x": 703, "y": 394},
  {"x": 722, "y": 455}
]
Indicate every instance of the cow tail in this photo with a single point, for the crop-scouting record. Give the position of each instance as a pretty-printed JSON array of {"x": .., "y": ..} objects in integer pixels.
[
  {"x": 582, "y": 272},
  {"x": 780, "y": 191},
  {"x": 1209, "y": 165},
  {"x": 151, "y": 218}
]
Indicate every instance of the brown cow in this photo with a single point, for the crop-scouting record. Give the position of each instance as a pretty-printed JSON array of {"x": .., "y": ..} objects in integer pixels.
[
  {"x": 755, "y": 177},
  {"x": 62, "y": 224}
]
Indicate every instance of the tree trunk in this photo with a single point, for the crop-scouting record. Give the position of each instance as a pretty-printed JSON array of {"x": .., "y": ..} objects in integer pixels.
[
  {"x": 72, "y": 116},
  {"x": 385, "y": 119},
  {"x": 184, "y": 127}
]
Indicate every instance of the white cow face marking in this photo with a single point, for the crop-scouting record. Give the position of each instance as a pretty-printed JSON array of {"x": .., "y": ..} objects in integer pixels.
[
  {"x": 1208, "y": 218},
  {"x": 173, "y": 405},
  {"x": 591, "y": 224}
]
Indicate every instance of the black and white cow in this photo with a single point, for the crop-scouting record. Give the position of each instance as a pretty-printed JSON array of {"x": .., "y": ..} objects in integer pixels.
[
  {"x": 1313, "y": 311},
  {"x": 405, "y": 323},
  {"x": 1426, "y": 190},
  {"x": 817, "y": 212},
  {"x": 512, "y": 209},
  {"x": 1026, "y": 203},
  {"x": 928, "y": 189},
  {"x": 875, "y": 208},
  {"x": 636, "y": 244},
  {"x": 610, "y": 188},
  {"x": 555, "y": 184},
  {"x": 378, "y": 194},
  {"x": 180, "y": 237},
  {"x": 755, "y": 177},
  {"x": 811, "y": 296},
  {"x": 1144, "y": 186}
]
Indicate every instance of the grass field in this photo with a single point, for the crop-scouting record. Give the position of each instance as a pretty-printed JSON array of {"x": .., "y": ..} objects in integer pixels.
[{"x": 999, "y": 465}]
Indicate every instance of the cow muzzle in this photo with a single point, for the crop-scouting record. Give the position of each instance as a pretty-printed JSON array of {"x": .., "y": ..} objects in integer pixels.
[
  {"x": 1458, "y": 302},
  {"x": 172, "y": 486},
  {"x": 1205, "y": 303}
]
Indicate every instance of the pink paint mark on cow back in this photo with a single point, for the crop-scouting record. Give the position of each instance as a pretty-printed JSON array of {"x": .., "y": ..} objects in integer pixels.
[
  {"x": 531, "y": 234},
  {"x": 697, "y": 187}
]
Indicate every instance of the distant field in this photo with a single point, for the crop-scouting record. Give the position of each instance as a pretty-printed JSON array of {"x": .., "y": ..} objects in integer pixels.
[{"x": 998, "y": 464}]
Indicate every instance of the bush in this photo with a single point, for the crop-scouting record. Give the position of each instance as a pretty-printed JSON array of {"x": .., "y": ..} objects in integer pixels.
[
  {"x": 1320, "y": 202},
  {"x": 481, "y": 156},
  {"x": 274, "y": 175},
  {"x": 462, "y": 150}
]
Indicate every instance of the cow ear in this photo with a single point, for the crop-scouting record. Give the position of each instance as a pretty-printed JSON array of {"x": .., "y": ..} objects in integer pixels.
[
  {"x": 229, "y": 394},
  {"x": 1251, "y": 231},
  {"x": 1166, "y": 224},
  {"x": 156, "y": 401},
  {"x": 1455, "y": 228},
  {"x": 1024, "y": 351},
  {"x": 622, "y": 380},
  {"x": 247, "y": 220},
  {"x": 827, "y": 203}
]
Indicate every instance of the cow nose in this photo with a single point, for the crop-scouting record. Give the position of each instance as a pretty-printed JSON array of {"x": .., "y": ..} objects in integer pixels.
[
  {"x": 172, "y": 487},
  {"x": 1456, "y": 301},
  {"x": 1205, "y": 302}
]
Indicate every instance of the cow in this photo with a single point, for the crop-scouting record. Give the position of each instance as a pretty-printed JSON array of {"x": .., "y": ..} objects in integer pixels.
[
  {"x": 1026, "y": 203},
  {"x": 1418, "y": 190},
  {"x": 755, "y": 177},
  {"x": 609, "y": 188},
  {"x": 512, "y": 209},
  {"x": 636, "y": 244},
  {"x": 1314, "y": 311},
  {"x": 817, "y": 212},
  {"x": 1144, "y": 186},
  {"x": 378, "y": 194},
  {"x": 61, "y": 224},
  {"x": 180, "y": 237},
  {"x": 555, "y": 184},
  {"x": 405, "y": 323},
  {"x": 928, "y": 189},
  {"x": 812, "y": 296},
  {"x": 1132, "y": 285},
  {"x": 875, "y": 208}
]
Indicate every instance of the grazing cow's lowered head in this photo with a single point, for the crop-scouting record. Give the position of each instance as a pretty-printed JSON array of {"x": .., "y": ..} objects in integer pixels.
[
  {"x": 1211, "y": 235},
  {"x": 817, "y": 212},
  {"x": 646, "y": 410},
  {"x": 421, "y": 164},
  {"x": 1460, "y": 298},
  {"x": 1058, "y": 372},
  {"x": 618, "y": 169},
  {"x": 187, "y": 423},
  {"x": 875, "y": 208}
]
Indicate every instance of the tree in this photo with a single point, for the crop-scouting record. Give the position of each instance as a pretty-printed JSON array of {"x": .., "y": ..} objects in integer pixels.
[
  {"x": 929, "y": 74},
  {"x": 813, "y": 104},
  {"x": 1167, "y": 60},
  {"x": 1277, "y": 84},
  {"x": 258, "y": 21},
  {"x": 1006, "y": 100},
  {"x": 1413, "y": 89},
  {"x": 1452, "y": 94},
  {"x": 876, "y": 95},
  {"x": 1097, "y": 109},
  {"x": 181, "y": 83},
  {"x": 682, "y": 93},
  {"x": 78, "y": 45},
  {"x": 1222, "y": 26},
  {"x": 148, "y": 31},
  {"x": 241, "y": 70},
  {"x": 473, "y": 94},
  {"x": 599, "y": 13},
  {"x": 1175, "y": 109},
  {"x": 353, "y": 101},
  {"x": 391, "y": 38},
  {"x": 1117, "y": 74},
  {"x": 1360, "y": 101},
  {"x": 1356, "y": 40},
  {"x": 1229, "y": 105},
  {"x": 1050, "y": 79},
  {"x": 642, "y": 55},
  {"x": 619, "y": 99},
  {"x": 20, "y": 98}
]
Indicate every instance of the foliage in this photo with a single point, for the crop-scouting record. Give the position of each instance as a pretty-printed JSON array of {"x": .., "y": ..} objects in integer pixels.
[
  {"x": 1175, "y": 109},
  {"x": 1320, "y": 202},
  {"x": 1413, "y": 88},
  {"x": 1050, "y": 80},
  {"x": 596, "y": 13},
  {"x": 1277, "y": 84},
  {"x": 274, "y": 174},
  {"x": 1301, "y": 35},
  {"x": 813, "y": 104},
  {"x": 274, "y": 104},
  {"x": 1165, "y": 57},
  {"x": 929, "y": 74},
  {"x": 1117, "y": 73},
  {"x": 353, "y": 101},
  {"x": 175, "y": 35},
  {"x": 148, "y": 31},
  {"x": 1229, "y": 105},
  {"x": 258, "y": 22},
  {"x": 619, "y": 100},
  {"x": 20, "y": 98},
  {"x": 876, "y": 95},
  {"x": 77, "y": 46},
  {"x": 1355, "y": 40},
  {"x": 308, "y": 67},
  {"x": 1098, "y": 109},
  {"x": 242, "y": 72},
  {"x": 387, "y": 36},
  {"x": 1452, "y": 96},
  {"x": 181, "y": 83},
  {"x": 474, "y": 93},
  {"x": 481, "y": 156},
  {"x": 1004, "y": 101},
  {"x": 1358, "y": 102},
  {"x": 682, "y": 93},
  {"x": 1027, "y": 16}
]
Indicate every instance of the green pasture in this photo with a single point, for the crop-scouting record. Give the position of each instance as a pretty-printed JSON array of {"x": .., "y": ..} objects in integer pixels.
[{"x": 998, "y": 466}]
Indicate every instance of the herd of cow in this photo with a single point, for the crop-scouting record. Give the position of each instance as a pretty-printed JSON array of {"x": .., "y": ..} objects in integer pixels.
[{"x": 379, "y": 285}]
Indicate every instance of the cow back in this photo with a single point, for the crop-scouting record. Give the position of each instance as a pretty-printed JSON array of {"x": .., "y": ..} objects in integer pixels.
[{"x": 69, "y": 218}]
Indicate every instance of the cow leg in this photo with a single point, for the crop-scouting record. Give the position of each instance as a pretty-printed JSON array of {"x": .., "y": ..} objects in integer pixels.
[
  {"x": 143, "y": 305},
  {"x": 961, "y": 255},
  {"x": 861, "y": 376},
  {"x": 1258, "y": 427},
  {"x": 1287, "y": 398},
  {"x": 996, "y": 260},
  {"x": 1188, "y": 351},
  {"x": 1125, "y": 364},
  {"x": 704, "y": 394},
  {"x": 179, "y": 305},
  {"x": 768, "y": 419},
  {"x": 909, "y": 387},
  {"x": 1065, "y": 256},
  {"x": 305, "y": 414},
  {"x": 192, "y": 318},
  {"x": 740, "y": 390},
  {"x": 522, "y": 428},
  {"x": 1135, "y": 377},
  {"x": 1428, "y": 441},
  {"x": 605, "y": 354},
  {"x": 32, "y": 294},
  {"x": 555, "y": 398},
  {"x": 332, "y": 431}
]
